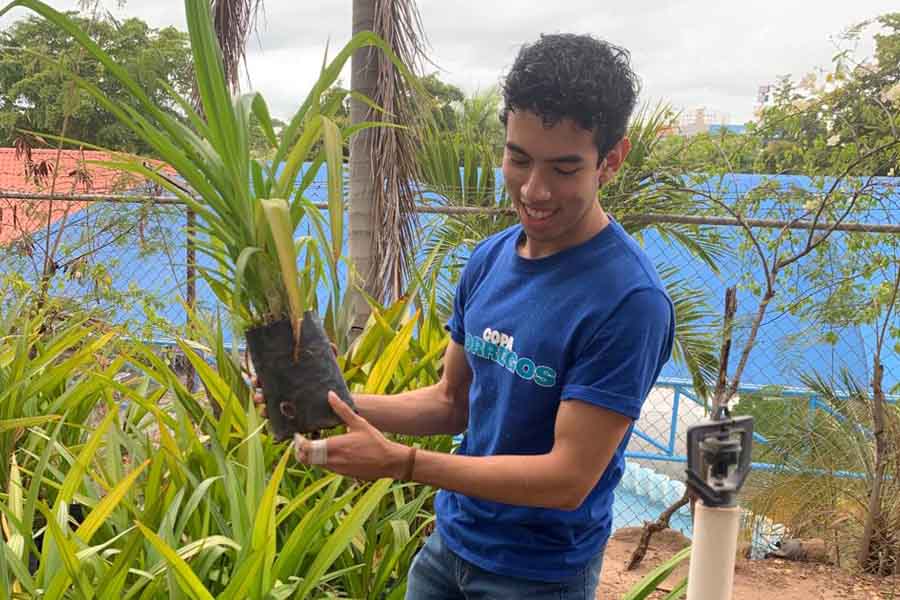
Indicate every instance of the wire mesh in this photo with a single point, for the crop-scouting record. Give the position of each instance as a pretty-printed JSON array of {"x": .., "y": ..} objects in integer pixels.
[{"x": 806, "y": 379}]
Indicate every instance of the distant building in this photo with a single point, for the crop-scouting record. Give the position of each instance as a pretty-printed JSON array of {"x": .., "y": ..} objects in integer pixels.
[
  {"x": 704, "y": 120},
  {"x": 765, "y": 96}
]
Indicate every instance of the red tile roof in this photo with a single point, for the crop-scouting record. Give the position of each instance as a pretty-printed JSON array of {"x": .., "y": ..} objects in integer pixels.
[{"x": 75, "y": 175}]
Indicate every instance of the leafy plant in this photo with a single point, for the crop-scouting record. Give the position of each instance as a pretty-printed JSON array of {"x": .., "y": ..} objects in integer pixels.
[
  {"x": 43, "y": 362},
  {"x": 160, "y": 498},
  {"x": 39, "y": 96},
  {"x": 248, "y": 210},
  {"x": 647, "y": 586}
]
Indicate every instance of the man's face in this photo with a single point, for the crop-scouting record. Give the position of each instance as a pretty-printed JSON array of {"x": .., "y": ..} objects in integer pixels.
[{"x": 552, "y": 175}]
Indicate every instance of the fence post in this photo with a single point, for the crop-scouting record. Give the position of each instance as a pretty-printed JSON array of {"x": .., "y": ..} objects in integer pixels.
[
  {"x": 191, "y": 288},
  {"x": 673, "y": 425}
]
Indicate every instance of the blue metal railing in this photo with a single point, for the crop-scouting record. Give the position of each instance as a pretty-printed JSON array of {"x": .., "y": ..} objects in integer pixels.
[{"x": 683, "y": 388}]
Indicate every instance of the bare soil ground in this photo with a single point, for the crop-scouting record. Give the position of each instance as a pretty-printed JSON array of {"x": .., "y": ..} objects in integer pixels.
[{"x": 754, "y": 580}]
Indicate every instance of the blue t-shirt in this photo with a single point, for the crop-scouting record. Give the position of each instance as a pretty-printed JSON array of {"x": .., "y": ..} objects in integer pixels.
[{"x": 591, "y": 323}]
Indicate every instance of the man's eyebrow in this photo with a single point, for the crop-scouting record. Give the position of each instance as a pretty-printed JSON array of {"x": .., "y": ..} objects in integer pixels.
[{"x": 568, "y": 158}]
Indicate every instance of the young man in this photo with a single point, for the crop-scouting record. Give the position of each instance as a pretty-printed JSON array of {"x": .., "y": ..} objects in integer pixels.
[{"x": 559, "y": 330}]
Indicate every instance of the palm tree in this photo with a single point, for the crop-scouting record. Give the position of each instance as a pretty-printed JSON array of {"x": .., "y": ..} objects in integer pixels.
[
  {"x": 383, "y": 163},
  {"x": 233, "y": 20},
  {"x": 382, "y": 160}
]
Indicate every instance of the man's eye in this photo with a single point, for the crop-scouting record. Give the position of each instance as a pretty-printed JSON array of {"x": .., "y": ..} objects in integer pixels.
[
  {"x": 564, "y": 172},
  {"x": 519, "y": 161}
]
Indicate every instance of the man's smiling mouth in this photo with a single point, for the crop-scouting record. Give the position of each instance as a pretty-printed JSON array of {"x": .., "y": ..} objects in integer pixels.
[{"x": 537, "y": 214}]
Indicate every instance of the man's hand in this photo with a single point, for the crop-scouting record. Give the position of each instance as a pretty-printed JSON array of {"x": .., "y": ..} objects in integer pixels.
[
  {"x": 258, "y": 399},
  {"x": 363, "y": 452}
]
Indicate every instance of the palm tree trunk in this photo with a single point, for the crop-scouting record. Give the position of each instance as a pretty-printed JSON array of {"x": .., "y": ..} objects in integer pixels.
[
  {"x": 233, "y": 20},
  {"x": 383, "y": 161},
  {"x": 363, "y": 79}
]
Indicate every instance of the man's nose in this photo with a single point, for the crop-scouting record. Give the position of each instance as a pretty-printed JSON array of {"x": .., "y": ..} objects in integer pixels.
[{"x": 535, "y": 188}]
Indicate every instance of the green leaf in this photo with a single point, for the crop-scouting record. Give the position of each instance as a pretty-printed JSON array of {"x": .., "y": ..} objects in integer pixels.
[
  {"x": 219, "y": 389},
  {"x": 16, "y": 502},
  {"x": 678, "y": 591},
  {"x": 647, "y": 586},
  {"x": 263, "y": 537},
  {"x": 186, "y": 577},
  {"x": 305, "y": 535},
  {"x": 102, "y": 511},
  {"x": 114, "y": 582},
  {"x": 299, "y": 152},
  {"x": 70, "y": 485},
  {"x": 25, "y": 422},
  {"x": 244, "y": 578},
  {"x": 194, "y": 548},
  {"x": 386, "y": 366},
  {"x": 338, "y": 541},
  {"x": 261, "y": 111},
  {"x": 72, "y": 570},
  {"x": 308, "y": 492},
  {"x": 19, "y": 571},
  {"x": 426, "y": 362},
  {"x": 334, "y": 147},
  {"x": 279, "y": 217},
  {"x": 199, "y": 494}
]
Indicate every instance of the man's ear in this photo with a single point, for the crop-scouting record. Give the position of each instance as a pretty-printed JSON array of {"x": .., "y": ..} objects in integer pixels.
[{"x": 614, "y": 160}]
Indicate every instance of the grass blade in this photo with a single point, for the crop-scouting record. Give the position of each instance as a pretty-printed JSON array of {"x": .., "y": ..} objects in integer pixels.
[
  {"x": 340, "y": 539},
  {"x": 102, "y": 511},
  {"x": 186, "y": 576},
  {"x": 386, "y": 366},
  {"x": 278, "y": 215},
  {"x": 647, "y": 586}
]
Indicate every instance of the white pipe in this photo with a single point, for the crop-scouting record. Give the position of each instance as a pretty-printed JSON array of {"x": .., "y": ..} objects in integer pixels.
[{"x": 713, "y": 552}]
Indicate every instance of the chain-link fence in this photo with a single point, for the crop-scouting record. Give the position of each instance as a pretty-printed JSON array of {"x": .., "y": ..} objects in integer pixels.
[
  {"x": 124, "y": 261},
  {"x": 806, "y": 356},
  {"x": 806, "y": 377}
]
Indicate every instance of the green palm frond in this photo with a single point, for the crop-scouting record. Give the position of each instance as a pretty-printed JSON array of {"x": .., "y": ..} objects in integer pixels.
[
  {"x": 393, "y": 149},
  {"x": 653, "y": 180},
  {"x": 695, "y": 329},
  {"x": 220, "y": 181}
]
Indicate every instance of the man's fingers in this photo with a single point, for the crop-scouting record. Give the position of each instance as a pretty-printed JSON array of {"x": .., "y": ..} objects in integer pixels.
[
  {"x": 258, "y": 398},
  {"x": 343, "y": 410},
  {"x": 300, "y": 450},
  {"x": 310, "y": 452}
]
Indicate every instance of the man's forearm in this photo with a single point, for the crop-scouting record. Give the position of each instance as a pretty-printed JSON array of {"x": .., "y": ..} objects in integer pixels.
[
  {"x": 543, "y": 480},
  {"x": 425, "y": 411}
]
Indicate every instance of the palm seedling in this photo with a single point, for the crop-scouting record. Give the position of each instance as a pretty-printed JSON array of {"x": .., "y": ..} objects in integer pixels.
[{"x": 249, "y": 210}]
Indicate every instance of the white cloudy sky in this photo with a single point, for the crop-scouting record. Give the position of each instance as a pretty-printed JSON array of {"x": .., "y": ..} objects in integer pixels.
[{"x": 692, "y": 53}]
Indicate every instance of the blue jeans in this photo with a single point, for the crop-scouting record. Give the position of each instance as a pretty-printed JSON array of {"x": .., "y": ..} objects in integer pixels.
[{"x": 439, "y": 574}]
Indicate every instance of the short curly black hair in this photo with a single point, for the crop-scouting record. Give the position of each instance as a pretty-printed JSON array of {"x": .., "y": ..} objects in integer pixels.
[{"x": 578, "y": 77}]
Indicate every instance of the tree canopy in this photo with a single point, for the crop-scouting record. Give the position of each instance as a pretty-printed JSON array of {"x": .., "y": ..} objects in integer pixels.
[{"x": 36, "y": 91}]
